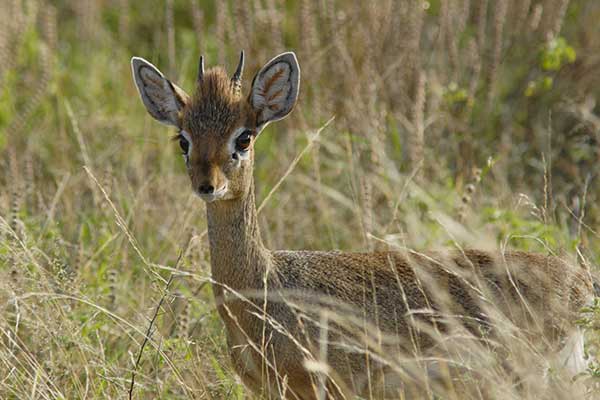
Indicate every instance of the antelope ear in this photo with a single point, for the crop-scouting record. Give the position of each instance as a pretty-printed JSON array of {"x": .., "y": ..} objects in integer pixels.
[
  {"x": 275, "y": 89},
  {"x": 162, "y": 99}
]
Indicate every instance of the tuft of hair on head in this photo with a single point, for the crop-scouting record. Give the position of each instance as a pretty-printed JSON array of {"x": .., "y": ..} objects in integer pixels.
[{"x": 215, "y": 83}]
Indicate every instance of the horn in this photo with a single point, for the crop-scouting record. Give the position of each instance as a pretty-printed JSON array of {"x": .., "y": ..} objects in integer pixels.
[
  {"x": 201, "y": 69},
  {"x": 236, "y": 79}
]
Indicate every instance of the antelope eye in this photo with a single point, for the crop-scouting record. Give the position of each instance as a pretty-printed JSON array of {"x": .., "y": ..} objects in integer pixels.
[
  {"x": 184, "y": 144},
  {"x": 242, "y": 143}
]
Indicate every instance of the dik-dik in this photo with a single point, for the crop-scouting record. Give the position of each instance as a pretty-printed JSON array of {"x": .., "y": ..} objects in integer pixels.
[{"x": 331, "y": 324}]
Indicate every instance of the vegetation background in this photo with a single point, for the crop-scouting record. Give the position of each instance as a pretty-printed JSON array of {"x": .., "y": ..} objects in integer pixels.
[{"x": 457, "y": 123}]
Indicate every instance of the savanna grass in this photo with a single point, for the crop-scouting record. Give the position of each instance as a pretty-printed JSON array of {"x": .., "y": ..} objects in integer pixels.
[{"x": 423, "y": 93}]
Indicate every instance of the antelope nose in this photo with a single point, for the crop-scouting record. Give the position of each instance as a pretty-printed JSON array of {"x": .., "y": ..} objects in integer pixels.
[{"x": 206, "y": 188}]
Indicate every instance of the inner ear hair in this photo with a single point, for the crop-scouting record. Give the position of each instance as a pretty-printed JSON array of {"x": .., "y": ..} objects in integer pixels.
[
  {"x": 180, "y": 95},
  {"x": 275, "y": 89},
  {"x": 163, "y": 99}
]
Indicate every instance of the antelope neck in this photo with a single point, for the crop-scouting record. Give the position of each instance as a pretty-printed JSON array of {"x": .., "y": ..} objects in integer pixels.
[{"x": 238, "y": 257}]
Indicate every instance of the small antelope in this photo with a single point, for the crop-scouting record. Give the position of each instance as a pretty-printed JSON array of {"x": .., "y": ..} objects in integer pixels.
[{"x": 329, "y": 324}]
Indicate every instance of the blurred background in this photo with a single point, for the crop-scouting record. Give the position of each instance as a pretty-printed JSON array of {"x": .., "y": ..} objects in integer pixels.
[{"x": 456, "y": 122}]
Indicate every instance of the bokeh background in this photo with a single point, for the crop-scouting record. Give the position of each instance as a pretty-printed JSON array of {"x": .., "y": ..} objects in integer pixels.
[{"x": 455, "y": 123}]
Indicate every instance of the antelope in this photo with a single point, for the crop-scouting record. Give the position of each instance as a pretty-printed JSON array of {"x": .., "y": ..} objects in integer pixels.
[{"x": 321, "y": 324}]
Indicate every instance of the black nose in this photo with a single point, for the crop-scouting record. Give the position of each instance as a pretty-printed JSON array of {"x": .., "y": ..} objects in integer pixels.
[{"x": 206, "y": 188}]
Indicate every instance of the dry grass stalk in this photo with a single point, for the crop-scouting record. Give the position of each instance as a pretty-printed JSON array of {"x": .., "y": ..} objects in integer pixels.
[
  {"x": 241, "y": 23},
  {"x": 15, "y": 207},
  {"x": 536, "y": 17},
  {"x": 49, "y": 30},
  {"x": 38, "y": 91},
  {"x": 36, "y": 96},
  {"x": 16, "y": 192},
  {"x": 18, "y": 19},
  {"x": 111, "y": 277},
  {"x": 220, "y": 26},
  {"x": 369, "y": 121},
  {"x": 338, "y": 59},
  {"x": 474, "y": 60},
  {"x": 107, "y": 184},
  {"x": 183, "y": 319},
  {"x": 468, "y": 193},
  {"x": 148, "y": 333},
  {"x": 6, "y": 61},
  {"x": 124, "y": 19},
  {"x": 29, "y": 181},
  {"x": 481, "y": 22},
  {"x": 416, "y": 138},
  {"x": 308, "y": 47},
  {"x": 463, "y": 14},
  {"x": 170, "y": 28},
  {"x": 88, "y": 13},
  {"x": 499, "y": 21},
  {"x": 275, "y": 22},
  {"x": 413, "y": 47},
  {"x": 367, "y": 210},
  {"x": 13, "y": 22},
  {"x": 309, "y": 37},
  {"x": 448, "y": 19},
  {"x": 521, "y": 12},
  {"x": 558, "y": 18},
  {"x": 198, "y": 22},
  {"x": 79, "y": 259}
]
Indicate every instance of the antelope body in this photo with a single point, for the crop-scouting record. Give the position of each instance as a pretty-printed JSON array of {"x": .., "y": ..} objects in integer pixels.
[{"x": 317, "y": 324}]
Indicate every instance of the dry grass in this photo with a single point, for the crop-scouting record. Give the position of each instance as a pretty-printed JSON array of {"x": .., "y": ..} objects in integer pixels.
[{"x": 423, "y": 94}]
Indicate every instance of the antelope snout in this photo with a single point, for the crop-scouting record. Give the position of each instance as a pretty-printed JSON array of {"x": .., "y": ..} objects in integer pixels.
[
  {"x": 208, "y": 181},
  {"x": 206, "y": 188},
  {"x": 208, "y": 192}
]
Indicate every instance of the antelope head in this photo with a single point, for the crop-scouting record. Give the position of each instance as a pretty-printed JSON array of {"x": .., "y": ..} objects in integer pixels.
[{"x": 216, "y": 125}]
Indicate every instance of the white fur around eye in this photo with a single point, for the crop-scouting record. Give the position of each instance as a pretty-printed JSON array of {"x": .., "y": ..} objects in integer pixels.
[
  {"x": 240, "y": 155},
  {"x": 187, "y": 137}
]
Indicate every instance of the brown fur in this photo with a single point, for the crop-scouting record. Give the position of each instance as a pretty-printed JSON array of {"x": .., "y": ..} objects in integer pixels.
[
  {"x": 210, "y": 117},
  {"x": 271, "y": 302}
]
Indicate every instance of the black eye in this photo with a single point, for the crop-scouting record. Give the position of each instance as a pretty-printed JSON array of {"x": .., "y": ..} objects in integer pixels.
[
  {"x": 184, "y": 144},
  {"x": 242, "y": 143}
]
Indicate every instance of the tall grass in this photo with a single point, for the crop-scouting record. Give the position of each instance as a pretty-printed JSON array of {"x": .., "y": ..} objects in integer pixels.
[{"x": 457, "y": 123}]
